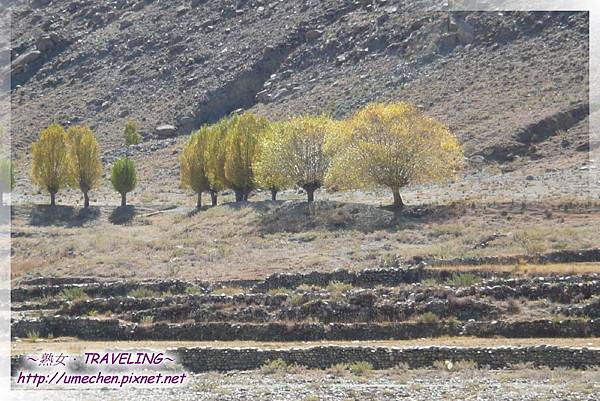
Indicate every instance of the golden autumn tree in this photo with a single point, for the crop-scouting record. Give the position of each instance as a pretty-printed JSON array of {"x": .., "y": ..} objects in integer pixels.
[
  {"x": 193, "y": 166},
  {"x": 50, "y": 160},
  {"x": 215, "y": 157},
  {"x": 392, "y": 145},
  {"x": 86, "y": 166},
  {"x": 269, "y": 175},
  {"x": 240, "y": 151},
  {"x": 294, "y": 150}
]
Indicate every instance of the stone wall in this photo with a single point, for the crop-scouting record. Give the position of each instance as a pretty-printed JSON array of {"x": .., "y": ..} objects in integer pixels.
[
  {"x": 223, "y": 359},
  {"x": 113, "y": 329}
]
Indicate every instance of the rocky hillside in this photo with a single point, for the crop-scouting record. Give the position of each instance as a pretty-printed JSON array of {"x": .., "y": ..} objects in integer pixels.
[{"x": 510, "y": 84}]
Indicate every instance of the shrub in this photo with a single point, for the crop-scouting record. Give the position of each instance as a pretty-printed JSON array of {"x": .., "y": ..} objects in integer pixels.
[
  {"x": 131, "y": 133},
  {"x": 123, "y": 178},
  {"x": 338, "y": 369},
  {"x": 531, "y": 241},
  {"x": 50, "y": 160},
  {"x": 72, "y": 294},
  {"x": 147, "y": 320},
  {"x": 7, "y": 178},
  {"x": 392, "y": 145},
  {"x": 360, "y": 368},
  {"x": 86, "y": 167},
  {"x": 512, "y": 306},
  {"x": 275, "y": 366},
  {"x": 295, "y": 300},
  {"x": 428, "y": 317}
]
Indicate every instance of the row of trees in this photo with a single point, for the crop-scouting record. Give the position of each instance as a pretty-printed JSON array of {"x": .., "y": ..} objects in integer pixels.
[
  {"x": 71, "y": 158},
  {"x": 383, "y": 144}
]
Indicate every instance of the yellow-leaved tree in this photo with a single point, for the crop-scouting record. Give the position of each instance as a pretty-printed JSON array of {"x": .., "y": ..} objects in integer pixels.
[
  {"x": 193, "y": 166},
  {"x": 240, "y": 151},
  {"x": 392, "y": 145},
  {"x": 50, "y": 160},
  {"x": 86, "y": 166},
  {"x": 215, "y": 157},
  {"x": 293, "y": 151},
  {"x": 267, "y": 168}
]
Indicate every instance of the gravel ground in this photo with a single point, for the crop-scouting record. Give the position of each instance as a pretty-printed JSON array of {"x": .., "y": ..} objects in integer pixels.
[{"x": 524, "y": 384}]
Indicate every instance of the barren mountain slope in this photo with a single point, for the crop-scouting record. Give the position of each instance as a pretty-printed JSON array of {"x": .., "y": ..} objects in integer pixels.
[{"x": 510, "y": 84}]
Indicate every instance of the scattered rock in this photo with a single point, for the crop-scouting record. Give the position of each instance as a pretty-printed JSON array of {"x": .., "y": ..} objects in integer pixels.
[{"x": 165, "y": 131}]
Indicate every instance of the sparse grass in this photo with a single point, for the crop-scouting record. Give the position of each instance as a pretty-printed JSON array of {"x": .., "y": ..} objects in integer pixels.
[
  {"x": 532, "y": 240},
  {"x": 465, "y": 365},
  {"x": 147, "y": 320},
  {"x": 238, "y": 248},
  {"x": 194, "y": 290},
  {"x": 337, "y": 290},
  {"x": 143, "y": 293},
  {"x": 72, "y": 294},
  {"x": 295, "y": 299},
  {"x": 530, "y": 269},
  {"x": 275, "y": 366},
  {"x": 279, "y": 291},
  {"x": 32, "y": 335},
  {"x": 231, "y": 291},
  {"x": 463, "y": 280}
]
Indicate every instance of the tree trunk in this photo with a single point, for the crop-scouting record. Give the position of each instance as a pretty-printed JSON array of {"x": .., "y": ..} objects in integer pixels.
[
  {"x": 1, "y": 198},
  {"x": 124, "y": 199},
  {"x": 239, "y": 195},
  {"x": 273, "y": 194},
  {"x": 246, "y": 195},
  {"x": 86, "y": 200},
  {"x": 398, "y": 203},
  {"x": 199, "y": 201},
  {"x": 310, "y": 193},
  {"x": 52, "y": 198},
  {"x": 213, "y": 197}
]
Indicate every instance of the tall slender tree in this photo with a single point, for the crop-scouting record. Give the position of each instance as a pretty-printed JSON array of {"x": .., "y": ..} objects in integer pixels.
[
  {"x": 86, "y": 165},
  {"x": 241, "y": 147},
  {"x": 193, "y": 166},
  {"x": 50, "y": 160}
]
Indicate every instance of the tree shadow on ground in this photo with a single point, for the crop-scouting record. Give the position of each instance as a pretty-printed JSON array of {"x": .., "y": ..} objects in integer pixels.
[
  {"x": 122, "y": 215},
  {"x": 300, "y": 216},
  {"x": 62, "y": 216}
]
